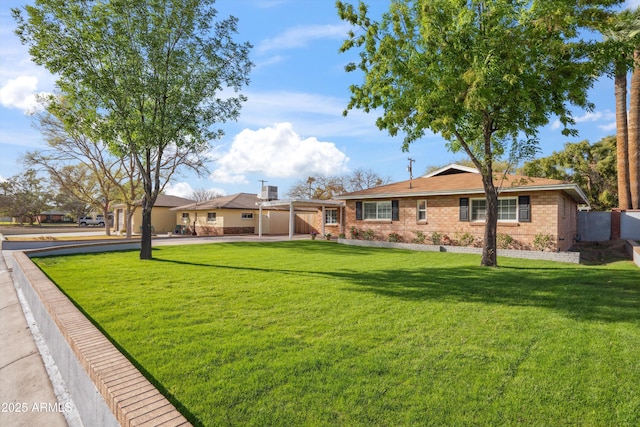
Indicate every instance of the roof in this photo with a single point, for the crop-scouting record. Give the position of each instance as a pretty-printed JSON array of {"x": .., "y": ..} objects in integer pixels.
[
  {"x": 235, "y": 201},
  {"x": 465, "y": 183},
  {"x": 171, "y": 201},
  {"x": 450, "y": 170},
  {"x": 301, "y": 203},
  {"x": 163, "y": 200}
]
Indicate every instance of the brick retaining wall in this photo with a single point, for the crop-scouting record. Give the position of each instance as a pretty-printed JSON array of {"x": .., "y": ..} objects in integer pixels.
[
  {"x": 572, "y": 257},
  {"x": 106, "y": 387}
]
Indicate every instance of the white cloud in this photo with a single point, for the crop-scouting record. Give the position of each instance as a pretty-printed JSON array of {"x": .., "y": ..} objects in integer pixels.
[
  {"x": 184, "y": 189},
  {"x": 298, "y": 37},
  {"x": 608, "y": 127},
  {"x": 20, "y": 93},
  {"x": 278, "y": 151}
]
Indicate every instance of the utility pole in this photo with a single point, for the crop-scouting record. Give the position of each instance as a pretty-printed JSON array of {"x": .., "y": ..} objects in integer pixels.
[{"x": 410, "y": 170}]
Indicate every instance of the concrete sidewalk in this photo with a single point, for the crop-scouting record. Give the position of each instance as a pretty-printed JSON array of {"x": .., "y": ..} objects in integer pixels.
[{"x": 26, "y": 392}]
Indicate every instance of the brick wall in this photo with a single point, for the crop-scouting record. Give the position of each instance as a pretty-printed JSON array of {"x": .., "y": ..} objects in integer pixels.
[
  {"x": 210, "y": 230},
  {"x": 552, "y": 213}
]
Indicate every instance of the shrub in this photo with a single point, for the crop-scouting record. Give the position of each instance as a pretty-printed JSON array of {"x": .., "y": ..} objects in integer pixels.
[
  {"x": 369, "y": 235},
  {"x": 420, "y": 237},
  {"x": 504, "y": 241},
  {"x": 543, "y": 241},
  {"x": 436, "y": 238},
  {"x": 355, "y": 233},
  {"x": 395, "y": 237},
  {"x": 465, "y": 239}
]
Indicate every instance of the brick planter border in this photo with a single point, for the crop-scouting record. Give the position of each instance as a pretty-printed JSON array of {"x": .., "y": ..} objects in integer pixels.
[
  {"x": 571, "y": 257},
  {"x": 107, "y": 388}
]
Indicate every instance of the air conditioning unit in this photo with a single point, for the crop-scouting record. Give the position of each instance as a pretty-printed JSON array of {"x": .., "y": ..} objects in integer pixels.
[{"x": 269, "y": 192}]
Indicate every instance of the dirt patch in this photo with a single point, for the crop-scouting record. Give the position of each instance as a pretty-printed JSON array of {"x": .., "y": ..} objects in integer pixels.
[{"x": 598, "y": 253}]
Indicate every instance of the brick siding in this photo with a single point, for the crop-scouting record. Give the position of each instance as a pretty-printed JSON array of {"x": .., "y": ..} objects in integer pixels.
[{"x": 552, "y": 213}]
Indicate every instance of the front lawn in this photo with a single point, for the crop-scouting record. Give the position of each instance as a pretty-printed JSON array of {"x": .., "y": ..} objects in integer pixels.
[{"x": 315, "y": 333}]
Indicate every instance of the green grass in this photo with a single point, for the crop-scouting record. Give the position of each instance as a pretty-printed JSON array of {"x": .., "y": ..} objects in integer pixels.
[{"x": 314, "y": 333}]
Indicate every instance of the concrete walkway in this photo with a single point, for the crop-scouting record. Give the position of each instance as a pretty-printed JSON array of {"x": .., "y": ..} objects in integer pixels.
[
  {"x": 26, "y": 393},
  {"x": 31, "y": 391}
]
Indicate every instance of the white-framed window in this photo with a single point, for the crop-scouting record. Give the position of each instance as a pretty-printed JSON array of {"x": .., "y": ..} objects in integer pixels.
[
  {"x": 247, "y": 215},
  {"x": 185, "y": 216},
  {"x": 377, "y": 210},
  {"x": 421, "y": 210},
  {"x": 211, "y": 216},
  {"x": 478, "y": 209},
  {"x": 331, "y": 216},
  {"x": 507, "y": 209}
]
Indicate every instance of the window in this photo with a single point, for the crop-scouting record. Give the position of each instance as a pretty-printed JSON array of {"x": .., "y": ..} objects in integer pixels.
[
  {"x": 478, "y": 209},
  {"x": 422, "y": 210},
  {"x": 377, "y": 210},
  {"x": 331, "y": 216},
  {"x": 211, "y": 217},
  {"x": 507, "y": 209},
  {"x": 185, "y": 216},
  {"x": 247, "y": 215}
]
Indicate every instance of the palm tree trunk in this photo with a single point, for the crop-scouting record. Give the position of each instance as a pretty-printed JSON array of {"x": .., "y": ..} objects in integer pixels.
[
  {"x": 622, "y": 138},
  {"x": 634, "y": 134}
]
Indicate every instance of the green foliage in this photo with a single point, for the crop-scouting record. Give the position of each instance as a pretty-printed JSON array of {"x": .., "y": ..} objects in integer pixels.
[
  {"x": 395, "y": 237},
  {"x": 24, "y": 196},
  {"x": 542, "y": 242},
  {"x": 591, "y": 166},
  {"x": 436, "y": 238},
  {"x": 355, "y": 233},
  {"x": 292, "y": 334},
  {"x": 484, "y": 75},
  {"x": 504, "y": 241},
  {"x": 420, "y": 237},
  {"x": 143, "y": 77},
  {"x": 368, "y": 235},
  {"x": 464, "y": 239}
]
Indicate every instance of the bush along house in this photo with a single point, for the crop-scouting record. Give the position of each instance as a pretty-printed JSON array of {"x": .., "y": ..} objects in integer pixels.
[{"x": 447, "y": 207}]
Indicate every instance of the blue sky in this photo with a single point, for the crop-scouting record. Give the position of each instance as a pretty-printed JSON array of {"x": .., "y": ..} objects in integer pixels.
[{"x": 292, "y": 126}]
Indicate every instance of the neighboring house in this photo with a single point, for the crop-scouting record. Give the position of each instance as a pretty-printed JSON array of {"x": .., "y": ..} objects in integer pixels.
[
  {"x": 54, "y": 216},
  {"x": 235, "y": 214},
  {"x": 450, "y": 202},
  {"x": 162, "y": 219}
]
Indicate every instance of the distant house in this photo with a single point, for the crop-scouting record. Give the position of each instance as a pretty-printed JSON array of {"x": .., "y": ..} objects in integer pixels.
[
  {"x": 235, "y": 214},
  {"x": 450, "y": 202},
  {"x": 54, "y": 216},
  {"x": 162, "y": 219}
]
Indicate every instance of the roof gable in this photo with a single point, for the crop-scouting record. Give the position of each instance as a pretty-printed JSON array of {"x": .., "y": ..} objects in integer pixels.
[{"x": 451, "y": 170}]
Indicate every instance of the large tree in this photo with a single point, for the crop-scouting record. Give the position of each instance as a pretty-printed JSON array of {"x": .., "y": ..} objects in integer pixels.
[
  {"x": 591, "y": 166},
  {"x": 24, "y": 196},
  {"x": 150, "y": 78},
  {"x": 483, "y": 74},
  {"x": 324, "y": 188},
  {"x": 622, "y": 36}
]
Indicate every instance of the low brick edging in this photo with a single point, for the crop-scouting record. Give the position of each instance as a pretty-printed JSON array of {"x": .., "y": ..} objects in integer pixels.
[
  {"x": 107, "y": 388},
  {"x": 571, "y": 257},
  {"x": 634, "y": 250}
]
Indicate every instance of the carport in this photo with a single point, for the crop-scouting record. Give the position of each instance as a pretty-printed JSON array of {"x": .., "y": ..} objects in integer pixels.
[{"x": 302, "y": 203}]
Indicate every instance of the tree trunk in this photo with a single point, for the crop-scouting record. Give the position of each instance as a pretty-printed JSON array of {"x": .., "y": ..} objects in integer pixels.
[
  {"x": 145, "y": 245},
  {"x": 634, "y": 134},
  {"x": 489, "y": 245},
  {"x": 105, "y": 215},
  {"x": 624, "y": 192},
  {"x": 128, "y": 218}
]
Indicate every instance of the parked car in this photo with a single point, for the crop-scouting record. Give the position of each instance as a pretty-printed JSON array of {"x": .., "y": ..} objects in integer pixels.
[{"x": 87, "y": 220}]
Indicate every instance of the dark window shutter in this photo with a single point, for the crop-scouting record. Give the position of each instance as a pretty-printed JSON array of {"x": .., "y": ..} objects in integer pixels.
[
  {"x": 464, "y": 209},
  {"x": 358, "y": 211},
  {"x": 524, "y": 209},
  {"x": 395, "y": 210}
]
